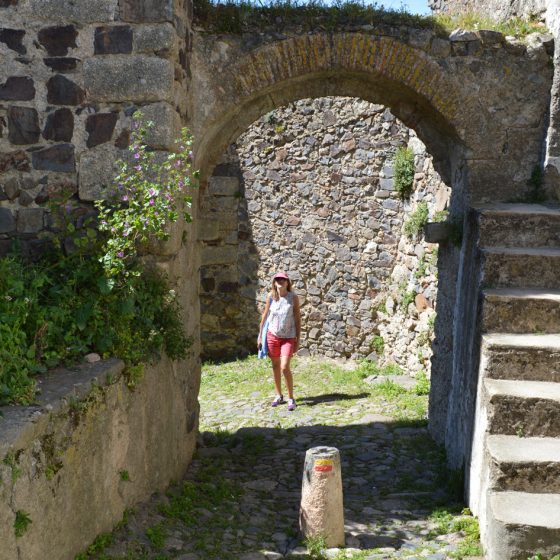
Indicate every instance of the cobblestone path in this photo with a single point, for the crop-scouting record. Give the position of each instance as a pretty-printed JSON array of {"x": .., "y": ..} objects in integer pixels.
[{"x": 240, "y": 496}]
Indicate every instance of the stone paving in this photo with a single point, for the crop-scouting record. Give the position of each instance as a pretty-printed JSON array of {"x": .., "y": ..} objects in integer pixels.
[{"x": 248, "y": 472}]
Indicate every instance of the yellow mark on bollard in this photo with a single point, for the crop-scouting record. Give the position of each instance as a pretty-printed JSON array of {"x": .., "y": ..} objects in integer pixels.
[{"x": 323, "y": 465}]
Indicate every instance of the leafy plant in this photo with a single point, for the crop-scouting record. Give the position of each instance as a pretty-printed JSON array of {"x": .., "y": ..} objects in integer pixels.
[
  {"x": 148, "y": 197},
  {"x": 316, "y": 545},
  {"x": 124, "y": 475},
  {"x": 21, "y": 523},
  {"x": 416, "y": 220},
  {"x": 156, "y": 536},
  {"x": 378, "y": 344},
  {"x": 404, "y": 171},
  {"x": 89, "y": 292}
]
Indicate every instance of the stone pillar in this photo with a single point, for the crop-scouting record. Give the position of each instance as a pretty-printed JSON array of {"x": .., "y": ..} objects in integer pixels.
[{"x": 321, "y": 511}]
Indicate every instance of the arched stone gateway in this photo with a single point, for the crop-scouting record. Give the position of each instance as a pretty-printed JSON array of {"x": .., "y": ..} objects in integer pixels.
[
  {"x": 478, "y": 104},
  {"x": 477, "y": 101}
]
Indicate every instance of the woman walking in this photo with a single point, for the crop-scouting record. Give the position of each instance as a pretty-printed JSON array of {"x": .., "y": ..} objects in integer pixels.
[{"x": 282, "y": 337}]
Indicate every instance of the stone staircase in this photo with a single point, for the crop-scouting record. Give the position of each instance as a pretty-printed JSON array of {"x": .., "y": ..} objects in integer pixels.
[{"x": 515, "y": 464}]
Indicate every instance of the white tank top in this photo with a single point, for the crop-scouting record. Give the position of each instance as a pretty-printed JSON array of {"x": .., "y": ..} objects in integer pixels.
[{"x": 281, "y": 321}]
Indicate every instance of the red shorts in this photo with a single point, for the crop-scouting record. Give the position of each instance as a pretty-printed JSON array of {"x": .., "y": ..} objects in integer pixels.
[{"x": 277, "y": 346}]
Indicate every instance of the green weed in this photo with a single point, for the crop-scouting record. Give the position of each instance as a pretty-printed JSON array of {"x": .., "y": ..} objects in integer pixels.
[
  {"x": 404, "y": 171},
  {"x": 156, "y": 535},
  {"x": 416, "y": 221},
  {"x": 21, "y": 523}
]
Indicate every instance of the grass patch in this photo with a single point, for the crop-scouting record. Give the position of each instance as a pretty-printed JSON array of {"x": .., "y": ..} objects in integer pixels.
[
  {"x": 238, "y": 16},
  {"x": 21, "y": 523}
]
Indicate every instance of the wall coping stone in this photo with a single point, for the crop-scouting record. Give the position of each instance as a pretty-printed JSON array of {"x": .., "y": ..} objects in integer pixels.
[{"x": 57, "y": 388}]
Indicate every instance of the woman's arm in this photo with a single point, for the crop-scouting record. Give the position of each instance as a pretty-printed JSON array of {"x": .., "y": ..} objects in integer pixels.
[
  {"x": 297, "y": 319},
  {"x": 263, "y": 317}
]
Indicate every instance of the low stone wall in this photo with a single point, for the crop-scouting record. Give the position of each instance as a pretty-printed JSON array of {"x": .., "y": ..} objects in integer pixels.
[{"x": 64, "y": 462}]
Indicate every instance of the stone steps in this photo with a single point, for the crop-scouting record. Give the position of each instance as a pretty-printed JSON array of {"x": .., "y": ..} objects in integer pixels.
[
  {"x": 522, "y": 524},
  {"x": 522, "y": 267},
  {"x": 525, "y": 408},
  {"x": 516, "y": 450},
  {"x": 524, "y": 464},
  {"x": 521, "y": 310},
  {"x": 529, "y": 357},
  {"x": 519, "y": 225}
]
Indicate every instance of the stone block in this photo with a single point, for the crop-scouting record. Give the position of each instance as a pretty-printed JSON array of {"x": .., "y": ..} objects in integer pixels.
[
  {"x": 62, "y": 91},
  {"x": 17, "y": 88},
  {"x": 18, "y": 161},
  {"x": 23, "y": 125},
  {"x": 56, "y": 158},
  {"x": 82, "y": 11},
  {"x": 440, "y": 47},
  {"x": 97, "y": 170},
  {"x": 223, "y": 186},
  {"x": 128, "y": 78},
  {"x": 30, "y": 220},
  {"x": 116, "y": 39},
  {"x": 12, "y": 38},
  {"x": 158, "y": 38},
  {"x": 7, "y": 221},
  {"x": 12, "y": 188},
  {"x": 226, "y": 254},
  {"x": 208, "y": 230},
  {"x": 437, "y": 232},
  {"x": 61, "y": 64},
  {"x": 57, "y": 40},
  {"x": 167, "y": 124},
  {"x": 59, "y": 126},
  {"x": 146, "y": 10},
  {"x": 100, "y": 128}
]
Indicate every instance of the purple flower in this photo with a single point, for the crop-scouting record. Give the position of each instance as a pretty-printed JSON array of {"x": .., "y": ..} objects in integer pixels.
[
  {"x": 125, "y": 198},
  {"x": 136, "y": 155},
  {"x": 138, "y": 167},
  {"x": 181, "y": 184},
  {"x": 178, "y": 163},
  {"x": 152, "y": 201},
  {"x": 152, "y": 192},
  {"x": 120, "y": 254}
]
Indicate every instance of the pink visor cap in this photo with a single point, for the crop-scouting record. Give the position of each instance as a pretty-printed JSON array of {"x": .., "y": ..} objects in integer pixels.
[{"x": 280, "y": 274}]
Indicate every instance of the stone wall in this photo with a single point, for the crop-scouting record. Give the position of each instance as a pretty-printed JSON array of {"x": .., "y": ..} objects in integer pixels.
[
  {"x": 72, "y": 75},
  {"x": 62, "y": 460},
  {"x": 70, "y": 79},
  {"x": 309, "y": 188}
]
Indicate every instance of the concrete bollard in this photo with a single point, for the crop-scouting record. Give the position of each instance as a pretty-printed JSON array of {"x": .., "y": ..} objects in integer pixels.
[{"x": 321, "y": 511}]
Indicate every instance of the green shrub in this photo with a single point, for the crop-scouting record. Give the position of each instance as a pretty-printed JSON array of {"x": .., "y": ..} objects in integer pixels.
[
  {"x": 21, "y": 523},
  {"x": 378, "y": 344},
  {"x": 417, "y": 220},
  {"x": 88, "y": 292},
  {"x": 404, "y": 171}
]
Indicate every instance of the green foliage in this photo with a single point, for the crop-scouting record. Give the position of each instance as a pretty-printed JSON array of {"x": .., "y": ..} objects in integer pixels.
[
  {"x": 124, "y": 475},
  {"x": 149, "y": 195},
  {"x": 404, "y": 171},
  {"x": 416, "y": 220},
  {"x": 89, "y": 293},
  {"x": 422, "y": 386},
  {"x": 517, "y": 26},
  {"x": 10, "y": 460},
  {"x": 316, "y": 547},
  {"x": 441, "y": 215},
  {"x": 156, "y": 535},
  {"x": 378, "y": 344},
  {"x": 367, "y": 368},
  {"x": 21, "y": 523}
]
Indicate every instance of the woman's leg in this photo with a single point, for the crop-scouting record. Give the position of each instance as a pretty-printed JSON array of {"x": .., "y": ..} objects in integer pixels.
[
  {"x": 287, "y": 373},
  {"x": 276, "y": 372}
]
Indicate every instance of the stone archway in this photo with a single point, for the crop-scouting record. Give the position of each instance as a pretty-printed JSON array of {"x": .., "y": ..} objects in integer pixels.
[{"x": 476, "y": 101}]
